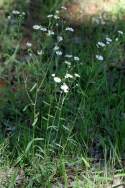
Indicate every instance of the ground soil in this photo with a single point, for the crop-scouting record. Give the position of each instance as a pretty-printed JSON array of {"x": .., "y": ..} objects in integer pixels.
[{"x": 83, "y": 10}]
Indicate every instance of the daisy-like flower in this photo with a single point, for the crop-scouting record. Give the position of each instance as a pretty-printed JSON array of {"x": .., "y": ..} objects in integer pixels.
[
  {"x": 50, "y": 33},
  {"x": 39, "y": 52},
  {"x": 50, "y": 16},
  {"x": 77, "y": 75},
  {"x": 23, "y": 13},
  {"x": 76, "y": 58},
  {"x": 36, "y": 27},
  {"x": 108, "y": 40},
  {"x": 60, "y": 38},
  {"x": 9, "y": 17},
  {"x": 56, "y": 48},
  {"x": 57, "y": 79},
  {"x": 69, "y": 29},
  {"x": 100, "y": 44},
  {"x": 59, "y": 53},
  {"x": 68, "y": 55},
  {"x": 64, "y": 87},
  {"x": 100, "y": 57},
  {"x": 53, "y": 75},
  {"x": 116, "y": 39},
  {"x": 16, "y": 12},
  {"x": 120, "y": 32},
  {"x": 68, "y": 75},
  {"x": 68, "y": 63},
  {"x": 64, "y": 8},
  {"x": 43, "y": 28},
  {"x": 57, "y": 11},
  {"x": 56, "y": 17},
  {"x": 29, "y": 44}
]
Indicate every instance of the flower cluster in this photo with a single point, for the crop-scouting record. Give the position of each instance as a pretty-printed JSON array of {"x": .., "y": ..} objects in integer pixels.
[
  {"x": 99, "y": 57},
  {"x": 65, "y": 81},
  {"x": 18, "y": 13},
  {"x": 106, "y": 42},
  {"x": 64, "y": 86}
]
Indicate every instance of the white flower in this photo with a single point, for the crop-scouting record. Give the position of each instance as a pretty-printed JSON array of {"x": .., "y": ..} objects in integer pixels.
[
  {"x": 39, "y": 52},
  {"x": 29, "y": 44},
  {"x": 102, "y": 44},
  {"x": 60, "y": 38},
  {"x": 68, "y": 75},
  {"x": 36, "y": 27},
  {"x": 68, "y": 63},
  {"x": 68, "y": 56},
  {"x": 76, "y": 58},
  {"x": 16, "y": 12},
  {"x": 57, "y": 79},
  {"x": 53, "y": 75},
  {"x": 77, "y": 75},
  {"x": 116, "y": 39},
  {"x": 30, "y": 54},
  {"x": 59, "y": 53},
  {"x": 50, "y": 33},
  {"x": 50, "y": 16},
  {"x": 23, "y": 13},
  {"x": 64, "y": 8},
  {"x": 120, "y": 32},
  {"x": 108, "y": 40},
  {"x": 100, "y": 57},
  {"x": 69, "y": 29},
  {"x": 65, "y": 88},
  {"x": 56, "y": 48},
  {"x": 56, "y": 17},
  {"x": 9, "y": 17},
  {"x": 43, "y": 28},
  {"x": 57, "y": 11}
]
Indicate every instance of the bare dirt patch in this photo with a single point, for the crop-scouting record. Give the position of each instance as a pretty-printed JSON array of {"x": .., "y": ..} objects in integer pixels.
[{"x": 85, "y": 10}]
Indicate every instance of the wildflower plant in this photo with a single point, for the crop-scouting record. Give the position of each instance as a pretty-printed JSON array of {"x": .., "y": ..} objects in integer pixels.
[
  {"x": 59, "y": 94},
  {"x": 52, "y": 78}
]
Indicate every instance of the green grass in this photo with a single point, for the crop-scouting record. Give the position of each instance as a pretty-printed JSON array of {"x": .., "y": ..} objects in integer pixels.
[{"x": 56, "y": 137}]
